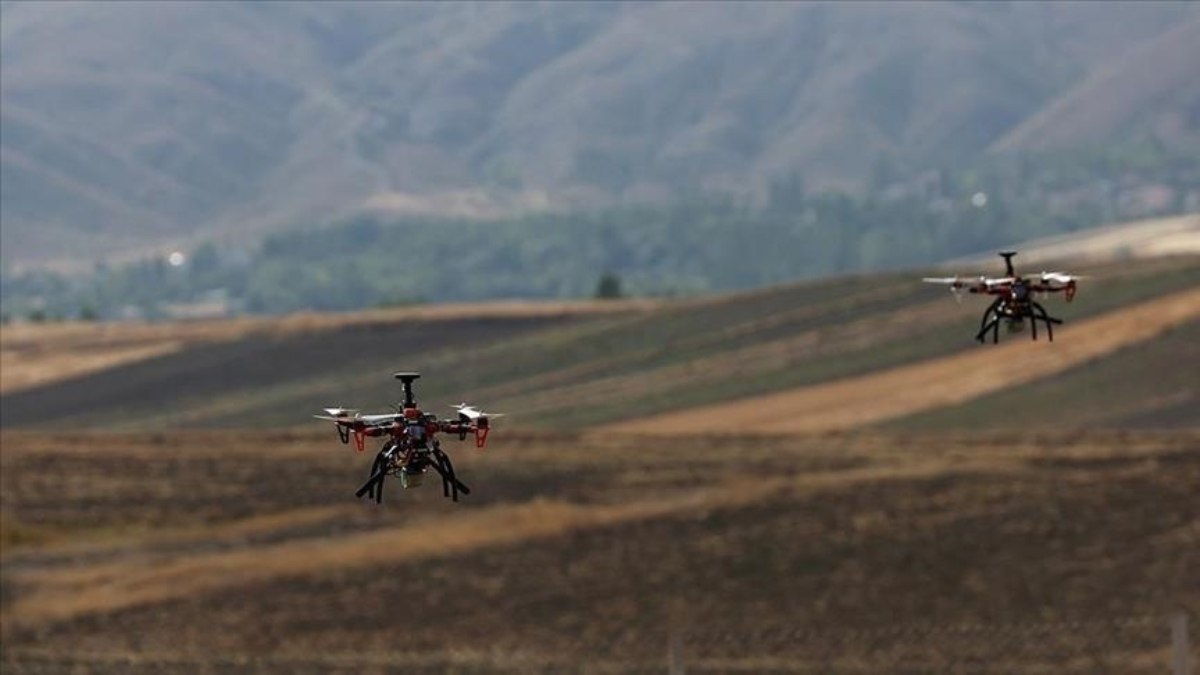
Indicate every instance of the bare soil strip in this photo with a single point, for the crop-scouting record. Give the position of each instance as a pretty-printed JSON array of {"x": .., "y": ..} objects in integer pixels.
[
  {"x": 906, "y": 390},
  {"x": 55, "y": 595}
]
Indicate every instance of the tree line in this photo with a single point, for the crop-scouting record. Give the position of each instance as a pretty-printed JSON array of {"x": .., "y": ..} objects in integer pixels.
[{"x": 700, "y": 244}]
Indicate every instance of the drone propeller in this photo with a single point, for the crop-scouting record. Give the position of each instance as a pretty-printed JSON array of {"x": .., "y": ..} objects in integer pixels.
[
  {"x": 474, "y": 420},
  {"x": 345, "y": 418},
  {"x": 471, "y": 413},
  {"x": 957, "y": 285},
  {"x": 1060, "y": 277},
  {"x": 959, "y": 282}
]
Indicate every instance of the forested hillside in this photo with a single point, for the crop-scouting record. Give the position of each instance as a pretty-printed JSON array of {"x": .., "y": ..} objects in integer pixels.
[{"x": 701, "y": 244}]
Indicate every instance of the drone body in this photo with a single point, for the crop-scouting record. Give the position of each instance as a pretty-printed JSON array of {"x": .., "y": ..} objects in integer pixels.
[
  {"x": 1014, "y": 298},
  {"x": 410, "y": 448}
]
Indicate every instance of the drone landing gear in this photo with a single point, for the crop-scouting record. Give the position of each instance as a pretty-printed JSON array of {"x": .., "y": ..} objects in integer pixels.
[
  {"x": 990, "y": 322},
  {"x": 992, "y": 318},
  {"x": 1046, "y": 319},
  {"x": 451, "y": 485},
  {"x": 373, "y": 488}
]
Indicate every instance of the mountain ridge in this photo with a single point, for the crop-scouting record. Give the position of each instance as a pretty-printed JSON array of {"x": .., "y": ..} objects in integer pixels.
[{"x": 127, "y": 130}]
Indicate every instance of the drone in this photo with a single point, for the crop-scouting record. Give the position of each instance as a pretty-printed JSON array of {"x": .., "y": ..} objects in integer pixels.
[
  {"x": 1014, "y": 301},
  {"x": 410, "y": 448}
]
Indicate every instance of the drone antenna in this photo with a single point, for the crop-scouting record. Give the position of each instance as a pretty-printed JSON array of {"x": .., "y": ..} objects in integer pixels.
[
  {"x": 407, "y": 380},
  {"x": 1008, "y": 266}
]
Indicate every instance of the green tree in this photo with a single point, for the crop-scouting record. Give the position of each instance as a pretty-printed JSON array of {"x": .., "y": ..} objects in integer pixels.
[
  {"x": 608, "y": 287},
  {"x": 205, "y": 260}
]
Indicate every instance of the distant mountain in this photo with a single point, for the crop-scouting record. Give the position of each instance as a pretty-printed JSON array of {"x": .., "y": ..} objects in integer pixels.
[{"x": 127, "y": 127}]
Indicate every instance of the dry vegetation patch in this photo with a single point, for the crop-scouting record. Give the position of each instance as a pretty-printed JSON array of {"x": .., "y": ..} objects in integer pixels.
[
  {"x": 846, "y": 551},
  {"x": 37, "y": 354},
  {"x": 906, "y": 390}
]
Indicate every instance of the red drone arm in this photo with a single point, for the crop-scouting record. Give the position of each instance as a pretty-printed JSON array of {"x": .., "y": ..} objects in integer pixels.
[
  {"x": 481, "y": 432},
  {"x": 1068, "y": 290},
  {"x": 479, "y": 428},
  {"x": 359, "y": 430}
]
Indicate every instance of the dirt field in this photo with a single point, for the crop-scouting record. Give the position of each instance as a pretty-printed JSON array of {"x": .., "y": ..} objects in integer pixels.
[{"x": 855, "y": 552}]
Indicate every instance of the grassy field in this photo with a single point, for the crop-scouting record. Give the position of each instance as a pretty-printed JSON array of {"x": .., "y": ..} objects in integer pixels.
[
  {"x": 939, "y": 384},
  {"x": 936, "y": 506},
  {"x": 1112, "y": 393},
  {"x": 36, "y": 354},
  {"x": 561, "y": 369},
  {"x": 850, "y": 552}
]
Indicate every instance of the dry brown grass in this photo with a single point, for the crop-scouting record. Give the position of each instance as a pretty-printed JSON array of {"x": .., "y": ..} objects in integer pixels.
[
  {"x": 57, "y": 595},
  {"x": 244, "y": 550},
  {"x": 910, "y": 389},
  {"x": 584, "y": 548},
  {"x": 37, "y": 354},
  {"x": 730, "y": 362},
  {"x": 1156, "y": 237}
]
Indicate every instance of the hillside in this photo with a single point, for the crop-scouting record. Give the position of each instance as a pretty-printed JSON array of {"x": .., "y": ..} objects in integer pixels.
[
  {"x": 127, "y": 132},
  {"x": 941, "y": 383},
  {"x": 599, "y": 362},
  {"x": 1143, "y": 239},
  {"x": 39, "y": 354},
  {"x": 1111, "y": 393},
  {"x": 1113, "y": 96}
]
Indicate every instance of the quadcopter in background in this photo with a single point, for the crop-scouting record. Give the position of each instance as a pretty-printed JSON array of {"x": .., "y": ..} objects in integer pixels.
[
  {"x": 410, "y": 448},
  {"x": 1014, "y": 301}
]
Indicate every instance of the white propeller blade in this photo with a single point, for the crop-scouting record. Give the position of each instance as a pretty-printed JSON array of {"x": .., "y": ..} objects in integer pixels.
[
  {"x": 1059, "y": 277},
  {"x": 375, "y": 419},
  {"x": 473, "y": 413}
]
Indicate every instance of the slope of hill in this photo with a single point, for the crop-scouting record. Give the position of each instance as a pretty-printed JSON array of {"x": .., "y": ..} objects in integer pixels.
[
  {"x": 632, "y": 362},
  {"x": 940, "y": 383},
  {"x": 1110, "y": 99},
  {"x": 127, "y": 131},
  {"x": 1179, "y": 235},
  {"x": 38, "y": 354},
  {"x": 1113, "y": 392}
]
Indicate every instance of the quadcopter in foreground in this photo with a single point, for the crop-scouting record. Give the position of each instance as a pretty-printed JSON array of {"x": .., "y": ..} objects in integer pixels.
[
  {"x": 1014, "y": 301},
  {"x": 411, "y": 447}
]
